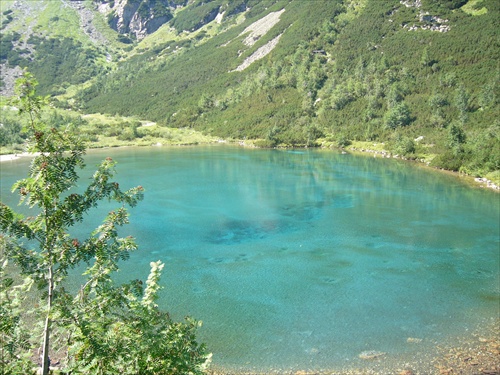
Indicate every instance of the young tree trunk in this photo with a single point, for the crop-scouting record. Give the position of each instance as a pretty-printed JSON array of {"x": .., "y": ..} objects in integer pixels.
[{"x": 46, "y": 331}]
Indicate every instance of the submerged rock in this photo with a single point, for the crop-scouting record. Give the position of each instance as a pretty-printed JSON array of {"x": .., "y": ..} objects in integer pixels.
[
  {"x": 371, "y": 354},
  {"x": 413, "y": 340}
]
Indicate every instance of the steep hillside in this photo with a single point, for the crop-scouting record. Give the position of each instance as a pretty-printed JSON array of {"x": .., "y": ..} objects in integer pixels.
[{"x": 419, "y": 76}]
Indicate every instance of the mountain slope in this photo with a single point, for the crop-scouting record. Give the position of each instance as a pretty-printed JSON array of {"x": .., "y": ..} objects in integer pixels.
[{"x": 421, "y": 76}]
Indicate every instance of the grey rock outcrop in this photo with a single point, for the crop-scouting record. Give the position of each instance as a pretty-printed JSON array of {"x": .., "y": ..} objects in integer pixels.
[{"x": 136, "y": 17}]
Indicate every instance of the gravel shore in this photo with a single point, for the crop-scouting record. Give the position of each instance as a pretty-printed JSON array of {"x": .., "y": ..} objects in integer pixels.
[
  {"x": 477, "y": 354},
  {"x": 8, "y": 157}
]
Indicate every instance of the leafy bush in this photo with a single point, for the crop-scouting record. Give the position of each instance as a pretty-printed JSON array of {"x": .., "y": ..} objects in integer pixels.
[
  {"x": 343, "y": 141},
  {"x": 10, "y": 132},
  {"x": 398, "y": 116},
  {"x": 448, "y": 160},
  {"x": 404, "y": 146},
  {"x": 127, "y": 132},
  {"x": 14, "y": 338}
]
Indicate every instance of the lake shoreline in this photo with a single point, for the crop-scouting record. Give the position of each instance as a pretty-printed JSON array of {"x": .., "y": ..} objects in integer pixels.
[
  {"x": 477, "y": 354},
  {"x": 480, "y": 182},
  {"x": 9, "y": 157}
]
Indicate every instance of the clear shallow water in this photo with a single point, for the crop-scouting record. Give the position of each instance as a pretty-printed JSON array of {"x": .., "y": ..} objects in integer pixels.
[{"x": 304, "y": 259}]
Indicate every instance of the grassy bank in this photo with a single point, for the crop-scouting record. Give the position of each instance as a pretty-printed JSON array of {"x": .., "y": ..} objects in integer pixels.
[{"x": 101, "y": 131}]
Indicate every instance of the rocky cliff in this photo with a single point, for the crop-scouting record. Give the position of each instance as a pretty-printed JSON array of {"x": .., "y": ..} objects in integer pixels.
[{"x": 136, "y": 18}]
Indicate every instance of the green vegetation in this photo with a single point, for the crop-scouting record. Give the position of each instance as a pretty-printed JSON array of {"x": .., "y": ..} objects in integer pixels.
[
  {"x": 195, "y": 16},
  {"x": 61, "y": 62},
  {"x": 342, "y": 72},
  {"x": 199, "y": 13},
  {"x": 8, "y": 54},
  {"x": 97, "y": 130},
  {"x": 44, "y": 18},
  {"x": 103, "y": 327},
  {"x": 475, "y": 8}
]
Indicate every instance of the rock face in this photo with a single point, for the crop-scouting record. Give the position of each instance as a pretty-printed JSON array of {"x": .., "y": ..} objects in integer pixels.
[
  {"x": 136, "y": 17},
  {"x": 255, "y": 31}
]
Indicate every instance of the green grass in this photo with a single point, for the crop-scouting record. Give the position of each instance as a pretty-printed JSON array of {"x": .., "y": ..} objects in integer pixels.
[
  {"x": 162, "y": 136},
  {"x": 150, "y": 134},
  {"x": 164, "y": 34},
  {"x": 59, "y": 19},
  {"x": 48, "y": 18},
  {"x": 473, "y": 8},
  {"x": 94, "y": 128},
  {"x": 172, "y": 137}
]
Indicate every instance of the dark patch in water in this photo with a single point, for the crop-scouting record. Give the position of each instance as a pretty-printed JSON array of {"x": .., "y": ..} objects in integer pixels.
[
  {"x": 369, "y": 251},
  {"x": 238, "y": 231},
  {"x": 342, "y": 263},
  {"x": 483, "y": 274},
  {"x": 329, "y": 280},
  {"x": 302, "y": 212},
  {"x": 343, "y": 201},
  {"x": 320, "y": 252},
  {"x": 235, "y": 231},
  {"x": 490, "y": 297},
  {"x": 228, "y": 260}
]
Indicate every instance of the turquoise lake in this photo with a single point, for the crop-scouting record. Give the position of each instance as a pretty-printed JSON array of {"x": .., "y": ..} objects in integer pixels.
[{"x": 302, "y": 259}]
